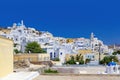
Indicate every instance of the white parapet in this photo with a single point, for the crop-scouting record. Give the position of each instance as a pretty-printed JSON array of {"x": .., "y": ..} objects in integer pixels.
[
  {"x": 82, "y": 72},
  {"x": 21, "y": 76}
]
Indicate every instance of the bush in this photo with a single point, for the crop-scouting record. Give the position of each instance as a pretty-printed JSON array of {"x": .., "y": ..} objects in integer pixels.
[
  {"x": 50, "y": 71},
  {"x": 81, "y": 62},
  {"x": 117, "y": 52},
  {"x": 87, "y": 61},
  {"x": 70, "y": 62},
  {"x": 15, "y": 44},
  {"x": 108, "y": 59},
  {"x": 102, "y": 62},
  {"x": 16, "y": 51},
  {"x": 56, "y": 59},
  {"x": 77, "y": 58}
]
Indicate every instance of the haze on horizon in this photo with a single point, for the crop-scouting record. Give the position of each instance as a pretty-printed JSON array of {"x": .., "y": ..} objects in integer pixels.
[{"x": 66, "y": 18}]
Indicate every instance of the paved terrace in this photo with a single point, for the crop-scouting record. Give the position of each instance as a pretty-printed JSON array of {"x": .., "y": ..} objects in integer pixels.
[
  {"x": 78, "y": 77},
  {"x": 80, "y": 69},
  {"x": 71, "y": 73}
]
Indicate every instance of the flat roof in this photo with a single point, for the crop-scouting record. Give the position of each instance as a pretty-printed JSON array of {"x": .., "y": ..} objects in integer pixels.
[{"x": 6, "y": 38}]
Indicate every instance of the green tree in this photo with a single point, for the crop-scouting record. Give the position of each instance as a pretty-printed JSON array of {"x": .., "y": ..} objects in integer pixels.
[
  {"x": 117, "y": 52},
  {"x": 16, "y": 51},
  {"x": 108, "y": 59},
  {"x": 34, "y": 47},
  {"x": 78, "y": 57}
]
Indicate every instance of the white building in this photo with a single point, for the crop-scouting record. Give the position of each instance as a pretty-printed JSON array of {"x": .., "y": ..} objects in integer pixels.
[{"x": 55, "y": 46}]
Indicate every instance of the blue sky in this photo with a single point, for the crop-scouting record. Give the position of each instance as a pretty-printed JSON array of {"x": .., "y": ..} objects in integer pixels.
[{"x": 66, "y": 18}]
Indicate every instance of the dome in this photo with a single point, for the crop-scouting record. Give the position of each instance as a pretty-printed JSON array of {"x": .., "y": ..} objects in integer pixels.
[
  {"x": 112, "y": 63},
  {"x": 18, "y": 24}
]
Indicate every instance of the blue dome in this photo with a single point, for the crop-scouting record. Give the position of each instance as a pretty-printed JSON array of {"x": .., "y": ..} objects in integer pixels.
[
  {"x": 112, "y": 64},
  {"x": 18, "y": 24}
]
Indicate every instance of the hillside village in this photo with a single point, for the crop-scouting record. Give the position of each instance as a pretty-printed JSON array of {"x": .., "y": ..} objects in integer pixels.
[
  {"x": 61, "y": 55},
  {"x": 56, "y": 47}
]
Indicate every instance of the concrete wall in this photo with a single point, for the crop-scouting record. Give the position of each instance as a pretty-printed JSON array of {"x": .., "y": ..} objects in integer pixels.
[{"x": 6, "y": 56}]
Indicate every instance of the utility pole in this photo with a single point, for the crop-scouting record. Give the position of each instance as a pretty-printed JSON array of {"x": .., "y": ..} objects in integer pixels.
[{"x": 99, "y": 52}]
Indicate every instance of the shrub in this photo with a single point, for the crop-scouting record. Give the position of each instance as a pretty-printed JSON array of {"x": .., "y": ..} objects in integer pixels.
[
  {"x": 117, "y": 52},
  {"x": 81, "y": 62},
  {"x": 16, "y": 51},
  {"x": 50, "y": 71},
  {"x": 70, "y": 62},
  {"x": 56, "y": 59},
  {"x": 77, "y": 58},
  {"x": 108, "y": 59},
  {"x": 15, "y": 44},
  {"x": 87, "y": 61}
]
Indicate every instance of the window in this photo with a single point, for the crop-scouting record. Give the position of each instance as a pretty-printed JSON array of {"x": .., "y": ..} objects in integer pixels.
[
  {"x": 61, "y": 53},
  {"x": 54, "y": 54},
  {"x": 51, "y": 55},
  {"x": 96, "y": 45},
  {"x": 16, "y": 39},
  {"x": 19, "y": 31}
]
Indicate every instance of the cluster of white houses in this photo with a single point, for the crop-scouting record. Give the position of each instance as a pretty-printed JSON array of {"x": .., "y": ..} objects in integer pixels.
[{"x": 55, "y": 46}]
